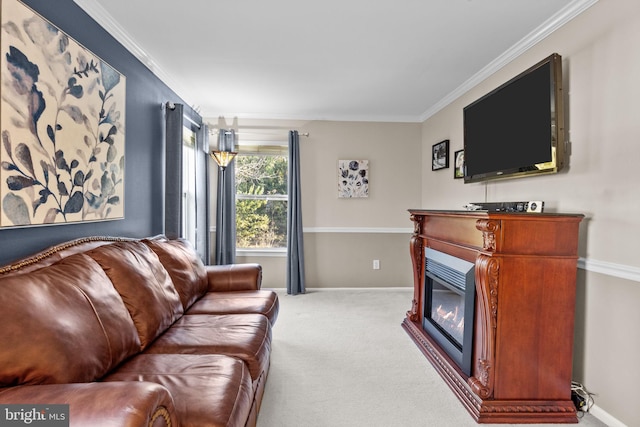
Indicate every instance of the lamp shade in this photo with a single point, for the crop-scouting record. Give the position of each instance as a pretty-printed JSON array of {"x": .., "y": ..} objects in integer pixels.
[{"x": 223, "y": 158}]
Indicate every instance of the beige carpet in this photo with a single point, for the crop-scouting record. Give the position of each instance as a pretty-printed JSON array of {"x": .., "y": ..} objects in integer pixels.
[{"x": 341, "y": 358}]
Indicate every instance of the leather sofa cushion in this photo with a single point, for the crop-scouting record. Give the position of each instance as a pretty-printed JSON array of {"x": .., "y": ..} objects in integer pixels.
[
  {"x": 55, "y": 253},
  {"x": 61, "y": 324},
  {"x": 100, "y": 404},
  {"x": 207, "y": 390},
  {"x": 244, "y": 336},
  {"x": 144, "y": 285},
  {"x": 234, "y": 277},
  {"x": 183, "y": 265},
  {"x": 241, "y": 302}
]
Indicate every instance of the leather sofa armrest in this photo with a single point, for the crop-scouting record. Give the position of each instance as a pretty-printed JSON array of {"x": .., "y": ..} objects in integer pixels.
[
  {"x": 234, "y": 277},
  {"x": 124, "y": 403}
]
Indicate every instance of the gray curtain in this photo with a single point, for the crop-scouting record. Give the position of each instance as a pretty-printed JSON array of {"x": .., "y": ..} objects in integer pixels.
[
  {"x": 173, "y": 170},
  {"x": 295, "y": 244},
  {"x": 226, "y": 205},
  {"x": 176, "y": 119}
]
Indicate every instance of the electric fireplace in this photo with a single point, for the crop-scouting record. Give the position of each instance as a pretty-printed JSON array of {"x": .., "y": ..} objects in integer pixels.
[
  {"x": 449, "y": 300},
  {"x": 493, "y": 307}
]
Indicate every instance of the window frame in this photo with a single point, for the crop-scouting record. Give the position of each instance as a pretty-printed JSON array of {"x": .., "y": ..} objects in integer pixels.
[
  {"x": 189, "y": 194},
  {"x": 262, "y": 150}
]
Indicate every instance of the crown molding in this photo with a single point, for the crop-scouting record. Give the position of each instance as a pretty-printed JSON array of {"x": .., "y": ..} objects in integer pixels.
[
  {"x": 106, "y": 21},
  {"x": 321, "y": 117},
  {"x": 565, "y": 15},
  {"x": 575, "y": 8}
]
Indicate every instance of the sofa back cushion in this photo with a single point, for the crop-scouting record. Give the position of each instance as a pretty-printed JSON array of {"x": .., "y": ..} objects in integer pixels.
[
  {"x": 55, "y": 253},
  {"x": 184, "y": 266},
  {"x": 62, "y": 323},
  {"x": 144, "y": 285}
]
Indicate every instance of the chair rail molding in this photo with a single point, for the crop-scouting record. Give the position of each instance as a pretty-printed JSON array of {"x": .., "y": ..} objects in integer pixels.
[
  {"x": 622, "y": 271},
  {"x": 371, "y": 230}
]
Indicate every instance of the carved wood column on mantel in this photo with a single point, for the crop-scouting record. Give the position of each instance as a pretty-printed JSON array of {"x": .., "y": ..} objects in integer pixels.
[
  {"x": 487, "y": 278},
  {"x": 417, "y": 259}
]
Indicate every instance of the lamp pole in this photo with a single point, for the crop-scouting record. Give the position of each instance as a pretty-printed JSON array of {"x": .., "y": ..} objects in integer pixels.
[{"x": 222, "y": 159}]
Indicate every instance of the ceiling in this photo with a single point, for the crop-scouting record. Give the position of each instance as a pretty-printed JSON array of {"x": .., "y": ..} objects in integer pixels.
[{"x": 382, "y": 60}]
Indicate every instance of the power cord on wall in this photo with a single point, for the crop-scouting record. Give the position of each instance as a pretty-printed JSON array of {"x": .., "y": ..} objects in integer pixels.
[{"x": 582, "y": 398}]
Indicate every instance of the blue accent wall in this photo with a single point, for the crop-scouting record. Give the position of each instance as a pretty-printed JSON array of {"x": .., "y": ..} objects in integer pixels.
[{"x": 144, "y": 156}]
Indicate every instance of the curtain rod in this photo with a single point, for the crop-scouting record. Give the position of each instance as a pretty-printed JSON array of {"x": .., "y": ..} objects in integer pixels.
[
  {"x": 189, "y": 119},
  {"x": 254, "y": 133},
  {"x": 171, "y": 106}
]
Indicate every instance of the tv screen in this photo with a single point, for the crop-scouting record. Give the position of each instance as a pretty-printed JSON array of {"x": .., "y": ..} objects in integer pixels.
[{"x": 516, "y": 130}]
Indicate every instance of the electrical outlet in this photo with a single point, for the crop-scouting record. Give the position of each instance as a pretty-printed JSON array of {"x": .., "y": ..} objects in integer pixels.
[{"x": 376, "y": 264}]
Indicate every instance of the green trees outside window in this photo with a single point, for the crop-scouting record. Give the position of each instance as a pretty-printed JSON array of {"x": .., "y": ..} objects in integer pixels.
[{"x": 261, "y": 201}]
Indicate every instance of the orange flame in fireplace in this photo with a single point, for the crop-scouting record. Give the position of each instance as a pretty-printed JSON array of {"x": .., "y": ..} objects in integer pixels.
[{"x": 450, "y": 321}]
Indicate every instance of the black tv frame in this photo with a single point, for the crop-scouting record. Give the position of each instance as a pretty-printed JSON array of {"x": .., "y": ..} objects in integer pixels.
[{"x": 556, "y": 140}]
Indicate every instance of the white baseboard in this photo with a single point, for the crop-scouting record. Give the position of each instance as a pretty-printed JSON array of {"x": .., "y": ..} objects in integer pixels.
[{"x": 605, "y": 417}]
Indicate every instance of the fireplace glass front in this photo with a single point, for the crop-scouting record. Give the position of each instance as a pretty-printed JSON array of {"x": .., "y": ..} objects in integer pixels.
[
  {"x": 449, "y": 305},
  {"x": 447, "y": 310}
]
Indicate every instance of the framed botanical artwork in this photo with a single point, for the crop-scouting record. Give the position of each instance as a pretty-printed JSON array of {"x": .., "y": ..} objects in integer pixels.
[
  {"x": 62, "y": 114},
  {"x": 440, "y": 155},
  {"x": 353, "y": 178},
  {"x": 458, "y": 161}
]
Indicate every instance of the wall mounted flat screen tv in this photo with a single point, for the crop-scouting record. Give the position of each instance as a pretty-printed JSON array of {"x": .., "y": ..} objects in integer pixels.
[{"x": 517, "y": 129}]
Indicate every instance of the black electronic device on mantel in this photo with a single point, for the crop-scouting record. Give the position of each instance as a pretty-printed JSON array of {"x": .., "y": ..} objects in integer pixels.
[
  {"x": 533, "y": 206},
  {"x": 518, "y": 128}
]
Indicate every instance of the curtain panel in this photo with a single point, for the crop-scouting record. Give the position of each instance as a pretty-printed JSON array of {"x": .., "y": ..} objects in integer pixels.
[
  {"x": 295, "y": 244},
  {"x": 173, "y": 170},
  {"x": 174, "y": 186}
]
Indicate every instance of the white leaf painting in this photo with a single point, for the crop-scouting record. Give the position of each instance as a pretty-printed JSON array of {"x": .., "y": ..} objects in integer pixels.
[
  {"x": 63, "y": 124},
  {"x": 353, "y": 178}
]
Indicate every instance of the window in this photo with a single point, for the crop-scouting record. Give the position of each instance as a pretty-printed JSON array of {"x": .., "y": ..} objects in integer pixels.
[
  {"x": 188, "y": 216},
  {"x": 261, "y": 197}
]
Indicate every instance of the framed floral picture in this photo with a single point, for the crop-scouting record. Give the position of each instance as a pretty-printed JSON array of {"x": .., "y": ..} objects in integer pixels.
[
  {"x": 62, "y": 114},
  {"x": 353, "y": 178},
  {"x": 440, "y": 155}
]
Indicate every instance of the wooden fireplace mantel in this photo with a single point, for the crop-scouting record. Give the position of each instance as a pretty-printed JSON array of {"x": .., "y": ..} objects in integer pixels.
[{"x": 525, "y": 278}]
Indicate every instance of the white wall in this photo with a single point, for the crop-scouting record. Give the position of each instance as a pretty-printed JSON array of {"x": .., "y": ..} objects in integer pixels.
[
  {"x": 601, "y": 64},
  {"x": 344, "y": 236}
]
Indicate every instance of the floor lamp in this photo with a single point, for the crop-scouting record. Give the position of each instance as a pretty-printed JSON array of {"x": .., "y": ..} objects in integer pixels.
[{"x": 222, "y": 159}]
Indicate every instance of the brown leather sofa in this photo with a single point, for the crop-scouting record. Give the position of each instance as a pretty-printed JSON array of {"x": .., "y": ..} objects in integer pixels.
[{"x": 135, "y": 332}]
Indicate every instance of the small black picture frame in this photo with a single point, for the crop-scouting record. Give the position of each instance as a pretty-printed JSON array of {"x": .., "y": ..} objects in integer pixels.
[
  {"x": 440, "y": 155},
  {"x": 458, "y": 164}
]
